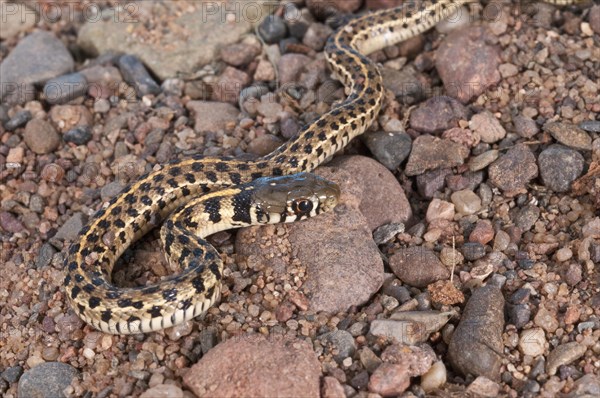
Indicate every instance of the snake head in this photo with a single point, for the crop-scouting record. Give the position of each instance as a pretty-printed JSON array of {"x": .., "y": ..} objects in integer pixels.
[{"x": 295, "y": 197}]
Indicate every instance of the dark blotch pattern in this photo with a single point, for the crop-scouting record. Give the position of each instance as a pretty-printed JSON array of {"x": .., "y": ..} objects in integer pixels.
[{"x": 169, "y": 294}]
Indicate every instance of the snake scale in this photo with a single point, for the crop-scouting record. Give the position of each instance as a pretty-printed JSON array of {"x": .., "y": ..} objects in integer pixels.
[{"x": 202, "y": 195}]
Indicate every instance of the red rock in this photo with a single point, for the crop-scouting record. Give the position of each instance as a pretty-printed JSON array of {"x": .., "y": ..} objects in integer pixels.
[
  {"x": 229, "y": 85},
  {"x": 389, "y": 380},
  {"x": 239, "y": 54},
  {"x": 290, "y": 65},
  {"x": 417, "y": 360},
  {"x": 382, "y": 199},
  {"x": 467, "y": 65},
  {"x": 212, "y": 116},
  {"x": 482, "y": 233},
  {"x": 262, "y": 367},
  {"x": 332, "y": 388},
  {"x": 438, "y": 114}
]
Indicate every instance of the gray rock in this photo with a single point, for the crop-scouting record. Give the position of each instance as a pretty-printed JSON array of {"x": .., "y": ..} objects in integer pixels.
[
  {"x": 476, "y": 345},
  {"x": 46, "y": 380},
  {"x": 417, "y": 266},
  {"x": 12, "y": 374},
  {"x": 136, "y": 75},
  {"x": 342, "y": 342},
  {"x": 44, "y": 256},
  {"x": 592, "y": 126},
  {"x": 513, "y": 170},
  {"x": 519, "y": 315},
  {"x": 194, "y": 39},
  {"x": 407, "y": 84},
  {"x": 588, "y": 385},
  {"x": 79, "y": 135},
  {"x": 272, "y": 29},
  {"x": 525, "y": 217},
  {"x": 71, "y": 227},
  {"x": 18, "y": 120},
  {"x": 390, "y": 149},
  {"x": 36, "y": 59},
  {"x": 569, "y": 135},
  {"x": 525, "y": 126},
  {"x": 111, "y": 190},
  {"x": 473, "y": 251},
  {"x": 387, "y": 232},
  {"x": 316, "y": 36},
  {"x": 430, "y": 153},
  {"x": 65, "y": 88},
  {"x": 560, "y": 166}
]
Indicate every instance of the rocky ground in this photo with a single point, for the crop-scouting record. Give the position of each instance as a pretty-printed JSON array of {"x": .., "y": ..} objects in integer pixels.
[{"x": 463, "y": 257}]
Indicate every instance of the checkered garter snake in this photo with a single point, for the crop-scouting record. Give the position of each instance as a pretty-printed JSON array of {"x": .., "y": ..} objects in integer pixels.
[{"x": 201, "y": 195}]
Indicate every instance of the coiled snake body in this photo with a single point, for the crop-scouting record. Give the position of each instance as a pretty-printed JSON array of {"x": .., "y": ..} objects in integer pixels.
[{"x": 222, "y": 193}]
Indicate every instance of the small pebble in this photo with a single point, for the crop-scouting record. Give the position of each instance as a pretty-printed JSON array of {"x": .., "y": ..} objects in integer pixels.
[
  {"x": 532, "y": 342},
  {"x": 342, "y": 342},
  {"x": 435, "y": 377},
  {"x": 272, "y": 29},
  {"x": 65, "y": 88},
  {"x": 488, "y": 127},
  {"x": 564, "y": 354},
  {"x": 466, "y": 202},
  {"x": 390, "y": 149},
  {"x": 569, "y": 135},
  {"x": 560, "y": 167},
  {"x": 136, "y": 75},
  {"x": 41, "y": 137},
  {"x": 18, "y": 120},
  {"x": 46, "y": 380},
  {"x": 79, "y": 135}
]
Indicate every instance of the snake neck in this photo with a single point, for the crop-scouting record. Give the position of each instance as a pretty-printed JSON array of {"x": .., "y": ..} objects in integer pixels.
[{"x": 346, "y": 53}]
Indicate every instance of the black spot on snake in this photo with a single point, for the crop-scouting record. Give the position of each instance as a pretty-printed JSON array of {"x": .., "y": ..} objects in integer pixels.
[
  {"x": 169, "y": 294},
  {"x": 93, "y": 302},
  {"x": 189, "y": 177},
  {"x": 198, "y": 284},
  {"x": 106, "y": 315},
  {"x": 154, "y": 311},
  {"x": 197, "y": 166},
  {"x": 119, "y": 223},
  {"x": 222, "y": 167},
  {"x": 75, "y": 292},
  {"x": 211, "y": 176}
]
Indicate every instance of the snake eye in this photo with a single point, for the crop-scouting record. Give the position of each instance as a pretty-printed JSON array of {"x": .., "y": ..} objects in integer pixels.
[{"x": 302, "y": 206}]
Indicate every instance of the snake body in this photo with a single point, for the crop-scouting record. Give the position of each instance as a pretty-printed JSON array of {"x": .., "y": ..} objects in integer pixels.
[{"x": 212, "y": 194}]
